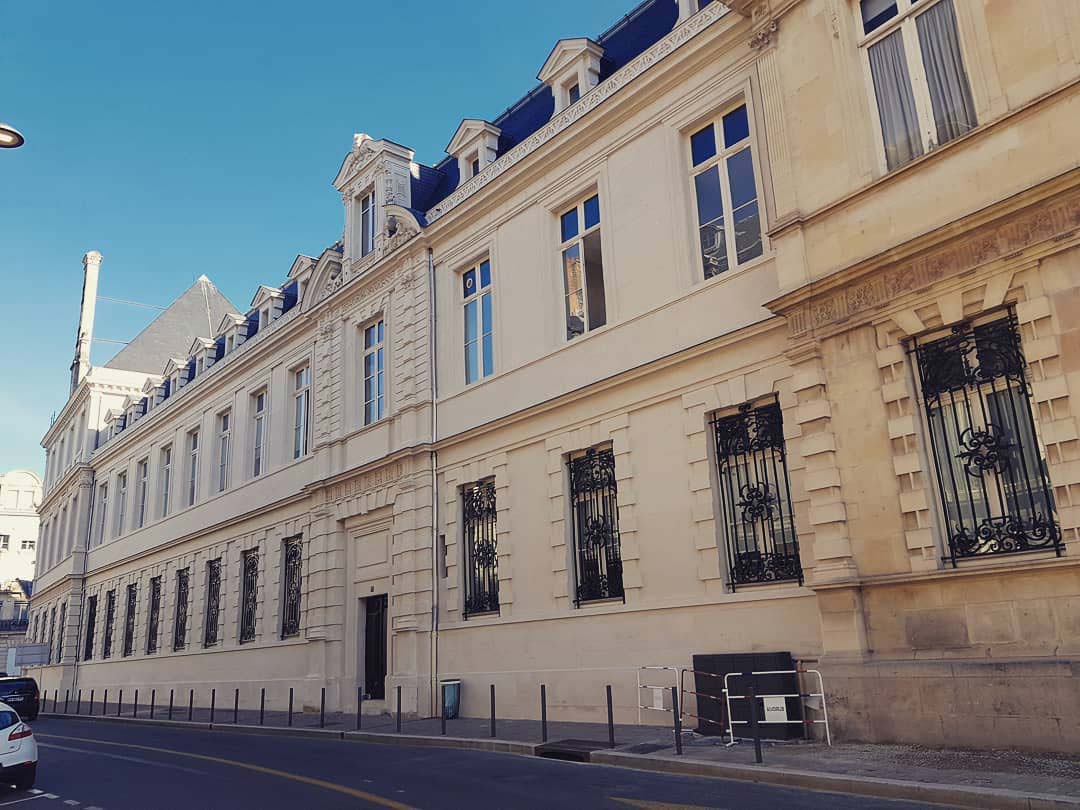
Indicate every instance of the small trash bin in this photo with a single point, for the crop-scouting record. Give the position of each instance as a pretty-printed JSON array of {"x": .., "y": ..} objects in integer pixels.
[{"x": 451, "y": 698}]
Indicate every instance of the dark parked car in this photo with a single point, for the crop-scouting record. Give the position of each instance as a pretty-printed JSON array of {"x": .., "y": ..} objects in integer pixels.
[{"x": 21, "y": 694}]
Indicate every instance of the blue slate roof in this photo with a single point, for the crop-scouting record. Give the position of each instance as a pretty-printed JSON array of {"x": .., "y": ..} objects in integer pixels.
[{"x": 647, "y": 24}]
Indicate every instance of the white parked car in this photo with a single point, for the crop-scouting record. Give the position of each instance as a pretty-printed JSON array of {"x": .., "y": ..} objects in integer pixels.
[{"x": 18, "y": 750}]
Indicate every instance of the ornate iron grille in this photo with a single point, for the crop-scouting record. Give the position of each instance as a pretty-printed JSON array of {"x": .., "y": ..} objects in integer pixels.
[
  {"x": 180, "y": 619},
  {"x": 755, "y": 497},
  {"x": 595, "y": 516},
  {"x": 110, "y": 617},
  {"x": 481, "y": 549},
  {"x": 990, "y": 468},
  {"x": 63, "y": 626},
  {"x": 155, "y": 613},
  {"x": 213, "y": 602},
  {"x": 290, "y": 616},
  {"x": 129, "y": 619},
  {"x": 52, "y": 629},
  {"x": 249, "y": 594},
  {"x": 91, "y": 620}
]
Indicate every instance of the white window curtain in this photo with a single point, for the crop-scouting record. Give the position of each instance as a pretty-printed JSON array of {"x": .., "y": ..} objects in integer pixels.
[
  {"x": 895, "y": 101},
  {"x": 950, "y": 94}
]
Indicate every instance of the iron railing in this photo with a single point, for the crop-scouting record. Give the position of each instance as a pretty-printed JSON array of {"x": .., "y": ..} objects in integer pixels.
[
  {"x": 183, "y": 577},
  {"x": 990, "y": 468},
  {"x": 249, "y": 594},
  {"x": 213, "y": 602},
  {"x": 14, "y": 625},
  {"x": 110, "y": 619},
  {"x": 155, "y": 615},
  {"x": 755, "y": 496},
  {"x": 290, "y": 614},
  {"x": 481, "y": 549},
  {"x": 595, "y": 514},
  {"x": 129, "y": 619},
  {"x": 63, "y": 625},
  {"x": 91, "y": 620}
]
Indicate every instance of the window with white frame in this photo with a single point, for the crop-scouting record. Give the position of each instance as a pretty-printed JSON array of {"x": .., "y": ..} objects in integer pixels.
[
  {"x": 583, "y": 267},
  {"x": 301, "y": 410},
  {"x": 367, "y": 223},
  {"x": 142, "y": 478},
  {"x": 374, "y": 386},
  {"x": 103, "y": 509},
  {"x": 193, "y": 467},
  {"x": 258, "y": 432},
  {"x": 121, "y": 502},
  {"x": 917, "y": 72},
  {"x": 28, "y": 545},
  {"x": 479, "y": 350},
  {"x": 166, "y": 478},
  {"x": 5, "y": 542},
  {"x": 224, "y": 438},
  {"x": 729, "y": 216}
]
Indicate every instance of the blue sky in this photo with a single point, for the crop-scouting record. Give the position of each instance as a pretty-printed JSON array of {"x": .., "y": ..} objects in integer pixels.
[{"x": 200, "y": 137}]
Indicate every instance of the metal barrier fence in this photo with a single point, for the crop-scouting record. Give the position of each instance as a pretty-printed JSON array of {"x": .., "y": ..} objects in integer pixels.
[
  {"x": 658, "y": 691},
  {"x": 752, "y": 697},
  {"x": 683, "y": 691}
]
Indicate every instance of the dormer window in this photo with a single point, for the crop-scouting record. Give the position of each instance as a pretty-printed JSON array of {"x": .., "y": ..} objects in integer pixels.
[
  {"x": 229, "y": 341},
  {"x": 475, "y": 145},
  {"x": 367, "y": 223},
  {"x": 571, "y": 70},
  {"x": 200, "y": 364},
  {"x": 264, "y": 318}
]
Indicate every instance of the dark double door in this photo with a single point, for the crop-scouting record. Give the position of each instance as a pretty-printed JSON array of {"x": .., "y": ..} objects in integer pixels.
[{"x": 375, "y": 609}]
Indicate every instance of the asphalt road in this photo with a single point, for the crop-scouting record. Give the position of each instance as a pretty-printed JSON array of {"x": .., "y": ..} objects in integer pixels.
[{"x": 88, "y": 765}]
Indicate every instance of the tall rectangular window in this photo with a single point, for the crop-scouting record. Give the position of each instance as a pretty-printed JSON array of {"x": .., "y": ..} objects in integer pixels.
[
  {"x": 990, "y": 466},
  {"x": 583, "y": 268},
  {"x": 60, "y": 639},
  {"x": 213, "y": 602},
  {"x": 52, "y": 630},
  {"x": 258, "y": 432},
  {"x": 367, "y": 223},
  {"x": 103, "y": 511},
  {"x": 91, "y": 621},
  {"x": 224, "y": 438},
  {"x": 374, "y": 388},
  {"x": 479, "y": 348},
  {"x": 183, "y": 599},
  {"x": 193, "y": 467},
  {"x": 301, "y": 410},
  {"x": 293, "y": 556},
  {"x": 755, "y": 497},
  {"x": 729, "y": 217},
  {"x": 110, "y": 621},
  {"x": 594, "y": 511},
  {"x": 917, "y": 68},
  {"x": 121, "y": 502},
  {"x": 249, "y": 594},
  {"x": 154, "y": 617},
  {"x": 129, "y": 619},
  {"x": 142, "y": 475},
  {"x": 481, "y": 548},
  {"x": 166, "y": 479}
]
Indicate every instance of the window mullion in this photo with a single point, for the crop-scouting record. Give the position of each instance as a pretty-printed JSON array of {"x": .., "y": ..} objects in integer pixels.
[
  {"x": 729, "y": 213},
  {"x": 919, "y": 88}
]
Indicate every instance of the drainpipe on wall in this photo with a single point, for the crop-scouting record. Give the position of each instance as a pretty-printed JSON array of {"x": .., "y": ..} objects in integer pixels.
[{"x": 432, "y": 356}]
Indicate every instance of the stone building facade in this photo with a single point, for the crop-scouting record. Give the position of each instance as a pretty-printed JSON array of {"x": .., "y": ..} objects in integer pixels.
[{"x": 745, "y": 331}]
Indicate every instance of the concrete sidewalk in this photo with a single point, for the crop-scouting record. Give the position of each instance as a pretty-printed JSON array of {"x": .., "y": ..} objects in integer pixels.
[{"x": 1009, "y": 780}]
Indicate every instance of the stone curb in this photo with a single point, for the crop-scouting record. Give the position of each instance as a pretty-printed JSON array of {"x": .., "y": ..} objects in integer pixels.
[{"x": 926, "y": 792}]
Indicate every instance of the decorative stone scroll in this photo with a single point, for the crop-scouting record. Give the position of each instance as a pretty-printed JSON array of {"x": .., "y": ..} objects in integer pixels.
[{"x": 986, "y": 244}]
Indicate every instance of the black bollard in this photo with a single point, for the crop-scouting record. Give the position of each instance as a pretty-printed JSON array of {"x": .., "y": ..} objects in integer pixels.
[
  {"x": 170, "y": 703},
  {"x": 493, "y": 710},
  {"x": 359, "y": 705},
  {"x": 543, "y": 712},
  {"x": 322, "y": 707},
  {"x": 399, "y": 709},
  {"x": 236, "y": 707},
  {"x": 135, "y": 707},
  {"x": 67, "y": 697},
  {"x": 213, "y": 703},
  {"x": 610, "y": 720},
  {"x": 153, "y": 697},
  {"x": 290, "y": 704},
  {"x": 754, "y": 730},
  {"x": 190, "y": 704},
  {"x": 262, "y": 705},
  {"x": 442, "y": 709},
  {"x": 119, "y": 703},
  {"x": 677, "y": 720}
]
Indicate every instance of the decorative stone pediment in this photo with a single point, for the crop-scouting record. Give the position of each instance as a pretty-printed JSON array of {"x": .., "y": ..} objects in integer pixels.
[
  {"x": 265, "y": 295},
  {"x": 361, "y": 154},
  {"x": 571, "y": 63},
  {"x": 475, "y": 145}
]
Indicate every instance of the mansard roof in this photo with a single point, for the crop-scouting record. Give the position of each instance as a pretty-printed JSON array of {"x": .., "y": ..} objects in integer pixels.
[{"x": 191, "y": 315}]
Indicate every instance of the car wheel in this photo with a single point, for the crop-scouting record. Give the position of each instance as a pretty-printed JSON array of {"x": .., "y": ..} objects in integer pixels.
[{"x": 25, "y": 780}]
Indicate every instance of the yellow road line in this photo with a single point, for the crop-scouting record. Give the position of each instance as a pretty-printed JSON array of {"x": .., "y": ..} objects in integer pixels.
[{"x": 296, "y": 777}]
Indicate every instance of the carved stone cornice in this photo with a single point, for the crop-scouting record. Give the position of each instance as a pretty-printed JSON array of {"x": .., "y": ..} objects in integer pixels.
[
  {"x": 594, "y": 98},
  {"x": 861, "y": 289}
]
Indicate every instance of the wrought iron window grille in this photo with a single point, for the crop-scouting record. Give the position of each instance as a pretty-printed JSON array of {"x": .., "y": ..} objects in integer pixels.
[
  {"x": 110, "y": 618},
  {"x": 594, "y": 509},
  {"x": 293, "y": 554},
  {"x": 91, "y": 620},
  {"x": 755, "y": 497},
  {"x": 155, "y": 615},
  {"x": 183, "y": 577},
  {"x": 481, "y": 549},
  {"x": 213, "y": 602},
  {"x": 60, "y": 640},
  {"x": 992, "y": 478},
  {"x": 129, "y": 620},
  {"x": 249, "y": 594}
]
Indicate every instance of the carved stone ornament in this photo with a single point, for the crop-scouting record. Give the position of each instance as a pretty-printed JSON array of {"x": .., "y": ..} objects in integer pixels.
[
  {"x": 1040, "y": 223},
  {"x": 764, "y": 37}
]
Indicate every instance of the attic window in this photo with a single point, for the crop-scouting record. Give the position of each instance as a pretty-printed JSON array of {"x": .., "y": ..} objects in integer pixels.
[
  {"x": 475, "y": 145},
  {"x": 574, "y": 92},
  {"x": 571, "y": 70},
  {"x": 475, "y": 166}
]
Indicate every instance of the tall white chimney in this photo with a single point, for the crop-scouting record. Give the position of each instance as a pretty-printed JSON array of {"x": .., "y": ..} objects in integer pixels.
[{"x": 80, "y": 366}]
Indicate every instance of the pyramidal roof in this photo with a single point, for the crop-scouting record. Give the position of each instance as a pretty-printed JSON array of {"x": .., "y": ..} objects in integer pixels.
[{"x": 196, "y": 313}]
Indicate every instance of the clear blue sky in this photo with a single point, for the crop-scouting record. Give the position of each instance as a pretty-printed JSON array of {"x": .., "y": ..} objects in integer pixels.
[{"x": 202, "y": 137}]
